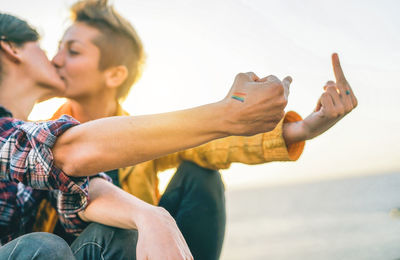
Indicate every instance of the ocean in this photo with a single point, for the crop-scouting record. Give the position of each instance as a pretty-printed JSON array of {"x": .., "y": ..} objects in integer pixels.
[{"x": 349, "y": 218}]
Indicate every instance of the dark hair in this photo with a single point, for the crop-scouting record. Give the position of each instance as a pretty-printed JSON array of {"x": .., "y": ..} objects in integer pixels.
[
  {"x": 15, "y": 30},
  {"x": 118, "y": 42}
]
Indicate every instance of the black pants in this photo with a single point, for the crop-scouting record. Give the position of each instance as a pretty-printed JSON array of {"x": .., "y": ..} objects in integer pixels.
[{"x": 195, "y": 198}]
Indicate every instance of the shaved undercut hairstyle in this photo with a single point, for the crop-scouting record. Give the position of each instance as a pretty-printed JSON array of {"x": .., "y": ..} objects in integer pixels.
[{"x": 118, "y": 42}]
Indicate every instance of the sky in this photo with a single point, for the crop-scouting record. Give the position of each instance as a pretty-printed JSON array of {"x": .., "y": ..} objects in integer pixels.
[{"x": 195, "y": 48}]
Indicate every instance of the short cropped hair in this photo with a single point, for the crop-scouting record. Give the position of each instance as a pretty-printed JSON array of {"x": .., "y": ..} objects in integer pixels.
[{"x": 119, "y": 44}]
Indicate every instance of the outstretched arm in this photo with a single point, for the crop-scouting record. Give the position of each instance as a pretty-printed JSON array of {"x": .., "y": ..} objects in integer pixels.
[
  {"x": 335, "y": 103},
  {"x": 250, "y": 107}
]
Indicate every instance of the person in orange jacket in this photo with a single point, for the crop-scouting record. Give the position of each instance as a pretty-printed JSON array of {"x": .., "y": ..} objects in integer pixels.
[{"x": 101, "y": 56}]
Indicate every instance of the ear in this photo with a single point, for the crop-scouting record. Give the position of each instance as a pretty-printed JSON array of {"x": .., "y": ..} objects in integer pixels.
[
  {"x": 115, "y": 76},
  {"x": 11, "y": 51}
]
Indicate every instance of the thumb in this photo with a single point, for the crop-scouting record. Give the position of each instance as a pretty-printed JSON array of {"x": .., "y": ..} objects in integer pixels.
[
  {"x": 319, "y": 106},
  {"x": 286, "y": 85}
]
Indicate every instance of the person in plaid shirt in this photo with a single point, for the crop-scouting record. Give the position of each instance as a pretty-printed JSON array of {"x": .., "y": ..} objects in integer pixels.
[{"x": 53, "y": 159}]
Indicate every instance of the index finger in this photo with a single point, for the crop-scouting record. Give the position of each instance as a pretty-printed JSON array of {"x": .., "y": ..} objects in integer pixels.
[
  {"x": 337, "y": 69},
  {"x": 252, "y": 76}
]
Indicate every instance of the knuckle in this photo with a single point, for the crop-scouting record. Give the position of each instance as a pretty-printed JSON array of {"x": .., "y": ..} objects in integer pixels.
[
  {"x": 333, "y": 114},
  {"x": 355, "y": 103},
  {"x": 330, "y": 82},
  {"x": 283, "y": 101},
  {"x": 349, "y": 108},
  {"x": 272, "y": 78},
  {"x": 331, "y": 89},
  {"x": 278, "y": 89},
  {"x": 164, "y": 212},
  {"x": 240, "y": 75}
]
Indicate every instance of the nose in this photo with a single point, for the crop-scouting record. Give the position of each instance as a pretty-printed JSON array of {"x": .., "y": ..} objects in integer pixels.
[{"x": 58, "y": 60}]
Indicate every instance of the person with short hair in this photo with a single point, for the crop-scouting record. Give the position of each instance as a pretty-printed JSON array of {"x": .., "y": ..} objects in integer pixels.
[{"x": 100, "y": 58}]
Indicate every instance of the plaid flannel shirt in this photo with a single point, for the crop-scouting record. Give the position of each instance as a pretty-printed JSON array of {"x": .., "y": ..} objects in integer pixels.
[{"x": 28, "y": 174}]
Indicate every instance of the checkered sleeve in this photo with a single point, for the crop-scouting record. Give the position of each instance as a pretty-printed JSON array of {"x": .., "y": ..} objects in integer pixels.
[
  {"x": 71, "y": 222},
  {"x": 25, "y": 156}
]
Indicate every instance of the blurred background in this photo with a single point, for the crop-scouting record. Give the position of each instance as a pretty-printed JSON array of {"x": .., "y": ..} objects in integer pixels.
[{"x": 337, "y": 200}]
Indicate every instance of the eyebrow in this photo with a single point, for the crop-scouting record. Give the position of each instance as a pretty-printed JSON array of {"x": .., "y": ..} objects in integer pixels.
[{"x": 69, "y": 42}]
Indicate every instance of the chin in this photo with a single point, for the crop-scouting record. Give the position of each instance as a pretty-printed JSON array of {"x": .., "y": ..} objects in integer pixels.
[{"x": 55, "y": 87}]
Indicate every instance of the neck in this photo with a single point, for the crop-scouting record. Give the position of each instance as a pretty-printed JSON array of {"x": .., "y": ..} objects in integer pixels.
[
  {"x": 18, "y": 94},
  {"x": 93, "y": 108}
]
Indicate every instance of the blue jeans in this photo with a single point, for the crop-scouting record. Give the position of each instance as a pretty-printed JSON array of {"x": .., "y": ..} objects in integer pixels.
[
  {"x": 38, "y": 245},
  {"x": 96, "y": 242}
]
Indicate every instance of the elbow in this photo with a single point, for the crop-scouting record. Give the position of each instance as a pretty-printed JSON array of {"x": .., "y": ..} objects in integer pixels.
[
  {"x": 76, "y": 161},
  {"x": 71, "y": 170},
  {"x": 65, "y": 158},
  {"x": 64, "y": 161},
  {"x": 63, "y": 154}
]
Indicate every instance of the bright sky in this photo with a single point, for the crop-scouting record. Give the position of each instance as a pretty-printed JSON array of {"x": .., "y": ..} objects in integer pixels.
[{"x": 195, "y": 48}]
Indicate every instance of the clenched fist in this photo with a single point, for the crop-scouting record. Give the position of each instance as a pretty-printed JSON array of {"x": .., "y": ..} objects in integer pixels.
[{"x": 256, "y": 105}]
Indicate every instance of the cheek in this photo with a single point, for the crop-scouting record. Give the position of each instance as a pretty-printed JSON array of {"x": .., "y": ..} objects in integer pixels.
[
  {"x": 81, "y": 74},
  {"x": 78, "y": 68},
  {"x": 43, "y": 67}
]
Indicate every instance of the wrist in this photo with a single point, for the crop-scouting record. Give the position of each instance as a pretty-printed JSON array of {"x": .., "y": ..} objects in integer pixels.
[
  {"x": 220, "y": 112},
  {"x": 294, "y": 132},
  {"x": 141, "y": 216}
]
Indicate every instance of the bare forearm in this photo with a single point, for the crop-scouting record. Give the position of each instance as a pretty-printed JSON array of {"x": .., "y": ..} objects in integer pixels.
[
  {"x": 293, "y": 132},
  {"x": 159, "y": 235},
  {"x": 110, "y": 205},
  {"x": 116, "y": 142},
  {"x": 307, "y": 129}
]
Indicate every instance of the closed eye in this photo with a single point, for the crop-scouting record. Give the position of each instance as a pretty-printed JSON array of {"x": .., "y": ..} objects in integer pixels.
[{"x": 73, "y": 52}]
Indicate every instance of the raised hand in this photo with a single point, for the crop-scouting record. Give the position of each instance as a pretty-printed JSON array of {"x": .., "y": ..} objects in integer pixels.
[
  {"x": 336, "y": 102},
  {"x": 256, "y": 105}
]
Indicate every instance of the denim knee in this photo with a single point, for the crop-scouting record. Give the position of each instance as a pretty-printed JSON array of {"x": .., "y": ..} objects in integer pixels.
[
  {"x": 105, "y": 242},
  {"x": 206, "y": 180},
  {"x": 41, "y": 245}
]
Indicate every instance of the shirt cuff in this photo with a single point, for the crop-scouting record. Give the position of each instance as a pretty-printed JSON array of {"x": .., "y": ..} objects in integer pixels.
[
  {"x": 274, "y": 146},
  {"x": 295, "y": 149},
  {"x": 71, "y": 222}
]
